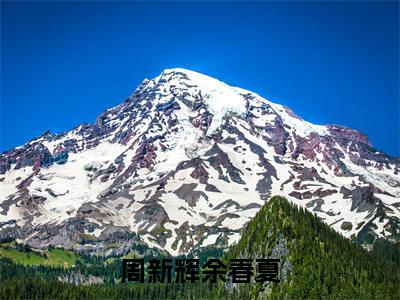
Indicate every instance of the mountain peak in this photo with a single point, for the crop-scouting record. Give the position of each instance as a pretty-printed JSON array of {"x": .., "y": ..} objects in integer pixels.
[
  {"x": 180, "y": 74},
  {"x": 184, "y": 71},
  {"x": 187, "y": 161}
]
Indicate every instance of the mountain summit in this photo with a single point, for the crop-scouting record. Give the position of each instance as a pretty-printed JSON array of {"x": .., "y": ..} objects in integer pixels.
[{"x": 185, "y": 162}]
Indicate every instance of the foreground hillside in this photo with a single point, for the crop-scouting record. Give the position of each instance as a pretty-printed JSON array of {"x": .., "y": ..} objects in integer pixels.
[{"x": 316, "y": 262}]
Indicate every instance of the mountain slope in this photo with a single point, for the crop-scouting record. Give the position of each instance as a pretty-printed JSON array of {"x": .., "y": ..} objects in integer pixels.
[
  {"x": 316, "y": 263},
  {"x": 186, "y": 161}
]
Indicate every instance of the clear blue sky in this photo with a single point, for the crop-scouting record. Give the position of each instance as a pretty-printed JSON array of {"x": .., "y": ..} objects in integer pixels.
[{"x": 64, "y": 63}]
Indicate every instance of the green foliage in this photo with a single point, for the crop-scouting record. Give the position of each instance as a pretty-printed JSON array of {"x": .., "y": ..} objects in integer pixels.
[
  {"x": 22, "y": 254},
  {"x": 27, "y": 288},
  {"x": 387, "y": 250}
]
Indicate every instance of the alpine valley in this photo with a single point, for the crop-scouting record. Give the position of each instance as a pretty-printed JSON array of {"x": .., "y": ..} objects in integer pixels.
[{"x": 185, "y": 163}]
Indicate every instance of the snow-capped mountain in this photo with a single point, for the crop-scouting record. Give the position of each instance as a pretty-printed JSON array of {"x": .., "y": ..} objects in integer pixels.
[{"x": 185, "y": 162}]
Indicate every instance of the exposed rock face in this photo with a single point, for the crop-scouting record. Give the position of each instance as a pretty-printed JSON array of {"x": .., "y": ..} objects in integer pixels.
[{"x": 186, "y": 161}]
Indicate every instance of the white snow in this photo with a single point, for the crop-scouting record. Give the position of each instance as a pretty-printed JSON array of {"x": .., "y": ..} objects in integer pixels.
[
  {"x": 73, "y": 187},
  {"x": 210, "y": 240},
  {"x": 219, "y": 97}
]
